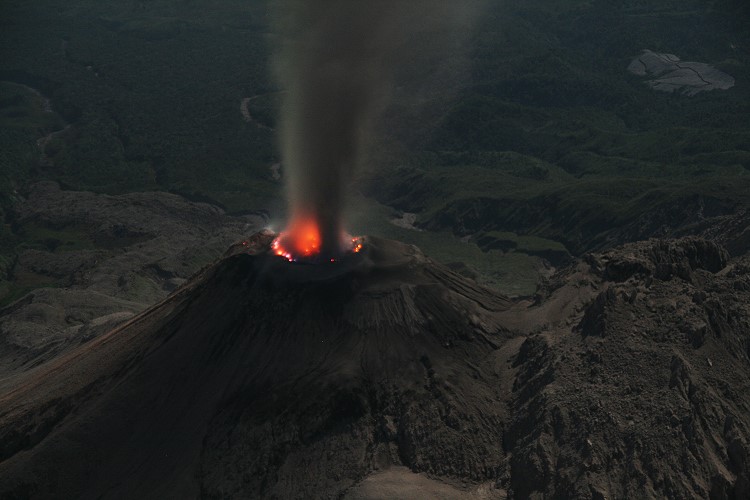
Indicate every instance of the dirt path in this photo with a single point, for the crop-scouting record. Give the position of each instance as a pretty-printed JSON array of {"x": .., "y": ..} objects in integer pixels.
[
  {"x": 43, "y": 141},
  {"x": 246, "y": 112},
  {"x": 47, "y": 108},
  {"x": 406, "y": 221},
  {"x": 46, "y": 103}
]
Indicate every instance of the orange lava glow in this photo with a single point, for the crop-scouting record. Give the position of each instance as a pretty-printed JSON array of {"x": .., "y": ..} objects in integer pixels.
[{"x": 302, "y": 241}]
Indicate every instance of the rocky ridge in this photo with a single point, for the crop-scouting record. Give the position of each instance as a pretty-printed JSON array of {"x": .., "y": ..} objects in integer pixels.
[
  {"x": 642, "y": 393},
  {"x": 670, "y": 74}
]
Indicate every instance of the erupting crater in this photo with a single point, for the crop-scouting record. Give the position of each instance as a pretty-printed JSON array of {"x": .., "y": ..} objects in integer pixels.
[
  {"x": 263, "y": 379},
  {"x": 302, "y": 242}
]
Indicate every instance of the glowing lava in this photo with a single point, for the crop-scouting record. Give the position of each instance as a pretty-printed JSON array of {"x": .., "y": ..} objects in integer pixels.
[{"x": 302, "y": 241}]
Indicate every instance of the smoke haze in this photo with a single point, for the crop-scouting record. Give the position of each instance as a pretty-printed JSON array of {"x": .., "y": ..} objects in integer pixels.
[{"x": 336, "y": 65}]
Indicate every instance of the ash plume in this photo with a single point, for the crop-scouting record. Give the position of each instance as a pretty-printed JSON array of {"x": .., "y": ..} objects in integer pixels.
[{"x": 336, "y": 65}]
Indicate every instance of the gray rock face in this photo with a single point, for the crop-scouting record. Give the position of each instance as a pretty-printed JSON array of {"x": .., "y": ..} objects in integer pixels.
[
  {"x": 669, "y": 74},
  {"x": 647, "y": 396}
]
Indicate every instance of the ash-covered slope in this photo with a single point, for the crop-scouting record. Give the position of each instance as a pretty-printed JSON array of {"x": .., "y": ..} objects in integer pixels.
[{"x": 265, "y": 378}]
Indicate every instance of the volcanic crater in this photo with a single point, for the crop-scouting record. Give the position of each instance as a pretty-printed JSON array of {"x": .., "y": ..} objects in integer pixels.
[{"x": 262, "y": 377}]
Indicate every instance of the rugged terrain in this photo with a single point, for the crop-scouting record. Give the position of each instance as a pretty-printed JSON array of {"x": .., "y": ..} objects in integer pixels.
[
  {"x": 626, "y": 376},
  {"x": 135, "y": 359},
  {"x": 92, "y": 261},
  {"x": 643, "y": 393}
]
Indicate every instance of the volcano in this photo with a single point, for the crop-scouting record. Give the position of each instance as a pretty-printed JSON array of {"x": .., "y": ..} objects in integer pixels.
[
  {"x": 386, "y": 375},
  {"x": 267, "y": 378}
]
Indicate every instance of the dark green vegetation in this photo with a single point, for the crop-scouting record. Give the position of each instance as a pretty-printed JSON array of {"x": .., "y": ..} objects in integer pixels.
[
  {"x": 152, "y": 90},
  {"x": 555, "y": 138},
  {"x": 549, "y": 135}
]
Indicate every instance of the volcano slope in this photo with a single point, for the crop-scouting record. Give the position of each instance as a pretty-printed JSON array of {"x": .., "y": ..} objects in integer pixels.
[
  {"x": 265, "y": 378},
  {"x": 637, "y": 383},
  {"x": 626, "y": 377}
]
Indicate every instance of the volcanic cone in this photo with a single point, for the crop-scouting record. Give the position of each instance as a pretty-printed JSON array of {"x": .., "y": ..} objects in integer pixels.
[{"x": 265, "y": 378}]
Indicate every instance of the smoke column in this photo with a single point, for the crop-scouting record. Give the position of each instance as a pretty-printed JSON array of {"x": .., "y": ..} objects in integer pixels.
[{"x": 336, "y": 65}]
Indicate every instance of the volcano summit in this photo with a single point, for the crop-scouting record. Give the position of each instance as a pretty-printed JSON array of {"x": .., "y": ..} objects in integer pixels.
[{"x": 267, "y": 378}]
